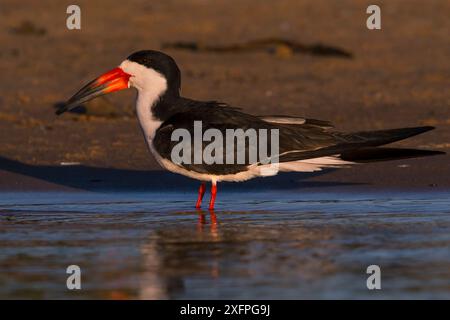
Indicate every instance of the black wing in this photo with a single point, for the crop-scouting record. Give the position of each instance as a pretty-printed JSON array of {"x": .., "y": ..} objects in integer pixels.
[{"x": 296, "y": 141}]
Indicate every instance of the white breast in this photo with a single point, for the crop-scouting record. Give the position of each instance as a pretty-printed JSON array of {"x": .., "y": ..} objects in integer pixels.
[
  {"x": 149, "y": 124},
  {"x": 151, "y": 85}
]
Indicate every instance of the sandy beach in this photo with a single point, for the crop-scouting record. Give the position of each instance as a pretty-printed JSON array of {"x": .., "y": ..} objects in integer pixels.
[{"x": 398, "y": 77}]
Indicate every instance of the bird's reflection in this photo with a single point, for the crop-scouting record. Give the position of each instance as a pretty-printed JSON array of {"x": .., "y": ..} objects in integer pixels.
[
  {"x": 191, "y": 256},
  {"x": 203, "y": 223},
  {"x": 162, "y": 256}
]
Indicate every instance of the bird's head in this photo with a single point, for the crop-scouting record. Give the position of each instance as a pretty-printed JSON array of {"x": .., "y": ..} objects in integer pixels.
[{"x": 150, "y": 72}]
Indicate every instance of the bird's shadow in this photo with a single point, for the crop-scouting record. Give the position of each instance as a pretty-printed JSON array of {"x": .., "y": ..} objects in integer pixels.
[{"x": 24, "y": 176}]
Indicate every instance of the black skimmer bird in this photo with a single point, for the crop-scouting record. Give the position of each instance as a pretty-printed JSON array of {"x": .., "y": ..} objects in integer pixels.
[{"x": 304, "y": 145}]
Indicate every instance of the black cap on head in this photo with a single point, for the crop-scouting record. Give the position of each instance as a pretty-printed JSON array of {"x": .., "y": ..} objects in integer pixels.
[{"x": 162, "y": 63}]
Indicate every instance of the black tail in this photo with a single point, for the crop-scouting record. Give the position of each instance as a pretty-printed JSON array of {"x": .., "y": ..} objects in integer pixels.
[
  {"x": 365, "y": 155},
  {"x": 382, "y": 137},
  {"x": 362, "y": 146}
]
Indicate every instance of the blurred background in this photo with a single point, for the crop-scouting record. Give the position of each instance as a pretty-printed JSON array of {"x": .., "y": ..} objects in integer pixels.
[{"x": 240, "y": 52}]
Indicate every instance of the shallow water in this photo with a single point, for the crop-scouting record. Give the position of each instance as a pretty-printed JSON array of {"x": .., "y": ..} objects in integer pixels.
[{"x": 280, "y": 245}]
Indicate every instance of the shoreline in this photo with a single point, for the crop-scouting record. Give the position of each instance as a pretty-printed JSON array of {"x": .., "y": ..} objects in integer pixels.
[{"x": 424, "y": 174}]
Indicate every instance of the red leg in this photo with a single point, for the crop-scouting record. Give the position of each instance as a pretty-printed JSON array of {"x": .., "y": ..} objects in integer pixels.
[
  {"x": 201, "y": 193},
  {"x": 213, "y": 196}
]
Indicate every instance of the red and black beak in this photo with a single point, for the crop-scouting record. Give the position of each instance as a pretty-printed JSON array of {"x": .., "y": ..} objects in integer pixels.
[{"x": 111, "y": 81}]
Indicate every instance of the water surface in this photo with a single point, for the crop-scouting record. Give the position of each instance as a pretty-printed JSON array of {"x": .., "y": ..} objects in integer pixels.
[{"x": 261, "y": 245}]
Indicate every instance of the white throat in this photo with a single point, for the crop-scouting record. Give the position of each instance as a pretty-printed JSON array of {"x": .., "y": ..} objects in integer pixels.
[{"x": 150, "y": 85}]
